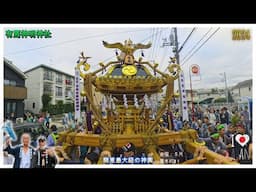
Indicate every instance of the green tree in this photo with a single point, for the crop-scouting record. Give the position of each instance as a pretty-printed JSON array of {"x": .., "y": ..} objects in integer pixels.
[
  {"x": 235, "y": 119},
  {"x": 60, "y": 107},
  {"x": 46, "y": 99}
]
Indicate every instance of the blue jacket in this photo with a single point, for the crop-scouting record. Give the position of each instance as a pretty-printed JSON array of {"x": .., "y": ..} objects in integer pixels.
[{"x": 15, "y": 151}]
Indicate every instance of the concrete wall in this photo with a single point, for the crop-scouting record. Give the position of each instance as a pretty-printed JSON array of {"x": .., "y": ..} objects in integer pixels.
[{"x": 34, "y": 84}]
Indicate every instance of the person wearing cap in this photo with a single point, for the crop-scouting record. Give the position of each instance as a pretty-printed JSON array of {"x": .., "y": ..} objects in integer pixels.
[
  {"x": 53, "y": 137},
  {"x": 242, "y": 145},
  {"x": 213, "y": 142},
  {"x": 223, "y": 137},
  {"x": 43, "y": 157}
]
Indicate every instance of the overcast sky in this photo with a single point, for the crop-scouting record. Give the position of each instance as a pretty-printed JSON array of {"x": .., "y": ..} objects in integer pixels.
[{"x": 219, "y": 54}]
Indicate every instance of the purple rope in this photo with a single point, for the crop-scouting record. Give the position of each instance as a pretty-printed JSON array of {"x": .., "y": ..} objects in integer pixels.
[
  {"x": 170, "y": 115},
  {"x": 89, "y": 120}
]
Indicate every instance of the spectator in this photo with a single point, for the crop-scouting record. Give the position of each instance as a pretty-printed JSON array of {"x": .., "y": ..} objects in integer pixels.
[
  {"x": 22, "y": 153},
  {"x": 246, "y": 119},
  {"x": 47, "y": 120},
  {"x": 224, "y": 116},
  {"x": 53, "y": 137},
  {"x": 43, "y": 157},
  {"x": 203, "y": 131},
  {"x": 65, "y": 121},
  {"x": 223, "y": 137},
  {"x": 41, "y": 119},
  {"x": 195, "y": 125},
  {"x": 177, "y": 123},
  {"x": 213, "y": 143},
  {"x": 231, "y": 130},
  {"x": 211, "y": 129},
  {"x": 217, "y": 115},
  {"x": 212, "y": 117}
]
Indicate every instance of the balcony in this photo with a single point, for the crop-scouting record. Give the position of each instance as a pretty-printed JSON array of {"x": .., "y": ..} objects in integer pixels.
[
  {"x": 48, "y": 78},
  {"x": 11, "y": 92},
  {"x": 68, "y": 82}
]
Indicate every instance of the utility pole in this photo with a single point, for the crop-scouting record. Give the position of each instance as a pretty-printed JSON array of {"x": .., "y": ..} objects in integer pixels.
[
  {"x": 191, "y": 92},
  {"x": 226, "y": 86},
  {"x": 182, "y": 93},
  {"x": 177, "y": 56}
]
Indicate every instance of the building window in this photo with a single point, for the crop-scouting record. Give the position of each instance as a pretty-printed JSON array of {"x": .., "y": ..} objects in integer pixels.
[
  {"x": 59, "y": 78},
  {"x": 13, "y": 83},
  {"x": 68, "y": 81},
  {"x": 10, "y": 107},
  {"x": 47, "y": 89},
  {"x": 48, "y": 75},
  {"x": 13, "y": 107},
  {"x": 6, "y": 82},
  {"x": 68, "y": 93},
  {"x": 33, "y": 105},
  {"x": 58, "y": 92},
  {"x": 10, "y": 82}
]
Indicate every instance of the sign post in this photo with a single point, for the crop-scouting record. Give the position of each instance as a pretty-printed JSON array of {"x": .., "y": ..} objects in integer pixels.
[{"x": 195, "y": 70}]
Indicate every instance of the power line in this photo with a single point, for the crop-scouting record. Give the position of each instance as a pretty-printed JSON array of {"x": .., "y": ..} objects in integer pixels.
[
  {"x": 158, "y": 47},
  {"x": 201, "y": 45},
  {"x": 164, "y": 56},
  {"x": 187, "y": 39},
  {"x": 197, "y": 44},
  {"x": 154, "y": 43},
  {"x": 70, "y": 41},
  {"x": 153, "y": 39},
  {"x": 184, "y": 43},
  {"x": 151, "y": 36}
]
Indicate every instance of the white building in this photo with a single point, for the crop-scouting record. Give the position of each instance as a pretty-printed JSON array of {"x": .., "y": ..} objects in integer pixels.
[
  {"x": 43, "y": 79},
  {"x": 242, "y": 89}
]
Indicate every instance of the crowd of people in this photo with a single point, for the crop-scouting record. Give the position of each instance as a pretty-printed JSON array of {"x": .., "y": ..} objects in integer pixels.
[
  {"x": 220, "y": 129},
  {"x": 224, "y": 131},
  {"x": 43, "y": 118}
]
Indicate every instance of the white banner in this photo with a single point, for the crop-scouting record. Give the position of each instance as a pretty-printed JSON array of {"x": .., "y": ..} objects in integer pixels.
[
  {"x": 183, "y": 97},
  {"x": 77, "y": 94}
]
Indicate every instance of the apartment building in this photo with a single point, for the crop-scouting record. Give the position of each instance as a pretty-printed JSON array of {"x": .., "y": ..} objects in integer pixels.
[{"x": 44, "y": 79}]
